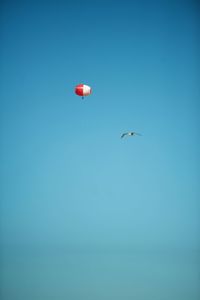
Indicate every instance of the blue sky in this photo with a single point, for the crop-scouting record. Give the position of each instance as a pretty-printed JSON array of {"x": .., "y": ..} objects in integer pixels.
[
  {"x": 62, "y": 160},
  {"x": 67, "y": 179},
  {"x": 85, "y": 214}
]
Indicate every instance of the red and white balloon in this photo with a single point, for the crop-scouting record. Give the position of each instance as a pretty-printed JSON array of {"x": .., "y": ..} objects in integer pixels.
[{"x": 83, "y": 90}]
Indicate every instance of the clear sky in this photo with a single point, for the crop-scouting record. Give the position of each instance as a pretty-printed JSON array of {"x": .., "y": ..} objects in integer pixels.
[{"x": 67, "y": 179}]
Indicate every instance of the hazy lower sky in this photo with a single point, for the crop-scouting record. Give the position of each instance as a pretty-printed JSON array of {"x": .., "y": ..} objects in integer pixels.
[{"x": 67, "y": 179}]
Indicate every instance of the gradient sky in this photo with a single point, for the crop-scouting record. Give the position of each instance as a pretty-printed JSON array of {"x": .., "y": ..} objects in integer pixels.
[{"x": 67, "y": 179}]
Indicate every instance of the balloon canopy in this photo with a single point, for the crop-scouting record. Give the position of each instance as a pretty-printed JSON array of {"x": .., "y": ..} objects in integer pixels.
[{"x": 83, "y": 90}]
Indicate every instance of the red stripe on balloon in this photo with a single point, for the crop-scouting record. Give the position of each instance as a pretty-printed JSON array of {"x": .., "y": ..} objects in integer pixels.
[{"x": 79, "y": 89}]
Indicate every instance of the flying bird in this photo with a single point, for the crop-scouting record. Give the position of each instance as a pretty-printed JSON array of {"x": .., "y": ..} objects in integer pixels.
[{"x": 131, "y": 133}]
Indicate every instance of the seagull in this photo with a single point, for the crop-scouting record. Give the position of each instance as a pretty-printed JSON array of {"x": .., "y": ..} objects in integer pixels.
[{"x": 132, "y": 133}]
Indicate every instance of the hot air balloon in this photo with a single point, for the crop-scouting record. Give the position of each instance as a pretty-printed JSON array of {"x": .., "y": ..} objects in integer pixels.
[{"x": 83, "y": 90}]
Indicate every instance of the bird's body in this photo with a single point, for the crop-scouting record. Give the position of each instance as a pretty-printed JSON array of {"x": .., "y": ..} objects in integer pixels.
[{"x": 131, "y": 133}]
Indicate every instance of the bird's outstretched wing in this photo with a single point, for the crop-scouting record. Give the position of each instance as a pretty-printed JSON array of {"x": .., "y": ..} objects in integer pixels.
[
  {"x": 123, "y": 135},
  {"x": 136, "y": 133}
]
